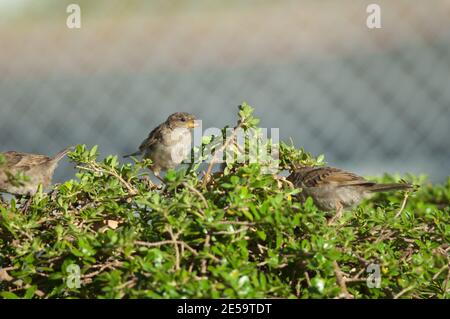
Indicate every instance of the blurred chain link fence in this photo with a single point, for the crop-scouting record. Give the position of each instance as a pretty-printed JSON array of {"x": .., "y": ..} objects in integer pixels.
[{"x": 372, "y": 101}]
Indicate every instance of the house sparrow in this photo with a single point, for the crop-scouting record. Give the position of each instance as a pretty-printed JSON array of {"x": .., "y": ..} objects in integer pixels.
[
  {"x": 335, "y": 189},
  {"x": 38, "y": 169},
  {"x": 169, "y": 143}
]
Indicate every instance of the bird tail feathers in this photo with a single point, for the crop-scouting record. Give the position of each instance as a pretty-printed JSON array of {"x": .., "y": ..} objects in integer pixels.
[
  {"x": 133, "y": 154},
  {"x": 62, "y": 153},
  {"x": 390, "y": 187}
]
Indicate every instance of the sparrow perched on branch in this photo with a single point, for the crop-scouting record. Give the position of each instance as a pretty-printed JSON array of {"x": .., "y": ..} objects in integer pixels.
[
  {"x": 169, "y": 143},
  {"x": 38, "y": 169},
  {"x": 335, "y": 189}
]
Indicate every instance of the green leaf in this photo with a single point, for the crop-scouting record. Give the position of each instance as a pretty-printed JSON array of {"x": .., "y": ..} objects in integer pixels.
[{"x": 9, "y": 295}]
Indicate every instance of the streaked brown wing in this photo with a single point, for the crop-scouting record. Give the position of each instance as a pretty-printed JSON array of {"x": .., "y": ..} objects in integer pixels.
[
  {"x": 23, "y": 161},
  {"x": 12, "y": 158},
  {"x": 153, "y": 136},
  {"x": 317, "y": 176}
]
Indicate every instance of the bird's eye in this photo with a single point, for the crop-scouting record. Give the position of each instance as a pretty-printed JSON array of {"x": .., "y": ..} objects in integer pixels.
[{"x": 183, "y": 119}]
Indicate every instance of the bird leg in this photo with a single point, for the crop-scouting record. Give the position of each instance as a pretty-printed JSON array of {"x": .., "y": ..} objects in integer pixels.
[
  {"x": 27, "y": 204},
  {"x": 160, "y": 186},
  {"x": 147, "y": 181},
  {"x": 338, "y": 215},
  {"x": 158, "y": 177}
]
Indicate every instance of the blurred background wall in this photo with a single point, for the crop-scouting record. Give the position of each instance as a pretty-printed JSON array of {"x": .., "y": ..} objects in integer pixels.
[{"x": 372, "y": 101}]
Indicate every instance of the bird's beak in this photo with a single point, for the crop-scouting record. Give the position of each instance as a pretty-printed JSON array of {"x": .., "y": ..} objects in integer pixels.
[{"x": 193, "y": 123}]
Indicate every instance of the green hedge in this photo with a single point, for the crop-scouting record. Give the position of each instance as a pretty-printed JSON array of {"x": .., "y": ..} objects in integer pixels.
[{"x": 241, "y": 235}]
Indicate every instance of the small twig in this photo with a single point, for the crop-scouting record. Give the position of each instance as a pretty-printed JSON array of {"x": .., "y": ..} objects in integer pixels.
[
  {"x": 340, "y": 279},
  {"x": 102, "y": 267},
  {"x": 41, "y": 274},
  {"x": 129, "y": 284},
  {"x": 308, "y": 280},
  {"x": 262, "y": 263},
  {"x": 192, "y": 250},
  {"x": 447, "y": 280},
  {"x": 97, "y": 169},
  {"x": 205, "y": 247},
  {"x": 182, "y": 250},
  {"x": 177, "y": 251},
  {"x": 232, "y": 232},
  {"x": 448, "y": 272},
  {"x": 404, "y": 291},
  {"x": 405, "y": 199},
  {"x": 440, "y": 271},
  {"x": 384, "y": 234},
  {"x": 232, "y": 222},
  {"x": 192, "y": 189},
  {"x": 214, "y": 258},
  {"x": 216, "y": 154},
  {"x": 262, "y": 248},
  {"x": 155, "y": 244},
  {"x": 356, "y": 277},
  {"x": 350, "y": 280},
  {"x": 22, "y": 232},
  {"x": 166, "y": 242}
]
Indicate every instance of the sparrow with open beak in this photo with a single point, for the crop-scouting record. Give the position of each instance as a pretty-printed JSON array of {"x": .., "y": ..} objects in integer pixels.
[
  {"x": 38, "y": 169},
  {"x": 169, "y": 143},
  {"x": 333, "y": 189}
]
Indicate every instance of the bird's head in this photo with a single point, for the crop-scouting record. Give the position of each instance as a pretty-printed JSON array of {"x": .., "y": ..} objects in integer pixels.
[{"x": 182, "y": 120}]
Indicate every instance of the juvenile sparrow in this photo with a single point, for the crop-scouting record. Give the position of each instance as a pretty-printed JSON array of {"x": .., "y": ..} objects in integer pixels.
[
  {"x": 169, "y": 143},
  {"x": 335, "y": 189},
  {"x": 38, "y": 169}
]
